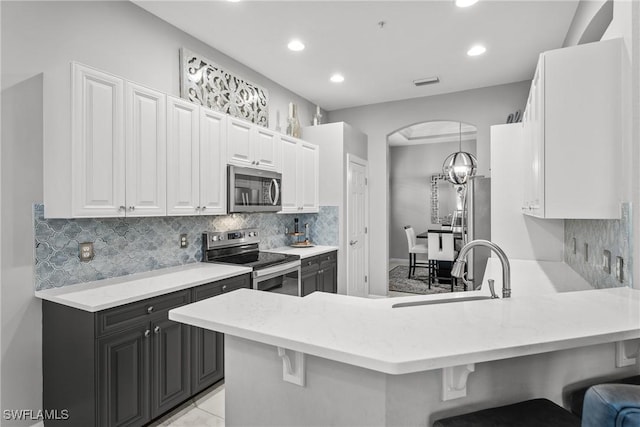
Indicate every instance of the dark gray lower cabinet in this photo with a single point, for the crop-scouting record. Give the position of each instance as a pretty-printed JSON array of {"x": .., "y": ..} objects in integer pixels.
[
  {"x": 129, "y": 364},
  {"x": 320, "y": 273},
  {"x": 123, "y": 378},
  {"x": 171, "y": 365}
]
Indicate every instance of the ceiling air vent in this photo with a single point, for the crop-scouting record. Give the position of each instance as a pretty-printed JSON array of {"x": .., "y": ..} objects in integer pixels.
[{"x": 427, "y": 81}]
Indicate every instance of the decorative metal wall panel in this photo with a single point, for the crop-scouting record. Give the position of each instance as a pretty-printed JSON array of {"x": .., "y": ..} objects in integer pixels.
[
  {"x": 206, "y": 83},
  {"x": 134, "y": 245}
]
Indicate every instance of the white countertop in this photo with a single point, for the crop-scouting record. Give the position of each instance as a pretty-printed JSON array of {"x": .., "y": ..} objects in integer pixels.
[
  {"x": 108, "y": 293},
  {"x": 303, "y": 252},
  {"x": 370, "y": 333}
]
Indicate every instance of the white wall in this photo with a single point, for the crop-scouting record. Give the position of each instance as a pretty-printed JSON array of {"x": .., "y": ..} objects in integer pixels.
[
  {"x": 117, "y": 37},
  {"x": 480, "y": 107},
  {"x": 410, "y": 170}
]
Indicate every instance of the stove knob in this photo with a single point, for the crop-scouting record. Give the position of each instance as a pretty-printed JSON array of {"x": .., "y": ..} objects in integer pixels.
[
  {"x": 214, "y": 238},
  {"x": 221, "y": 238}
]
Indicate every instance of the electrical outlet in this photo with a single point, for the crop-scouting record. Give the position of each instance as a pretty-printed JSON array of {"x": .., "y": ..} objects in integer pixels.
[
  {"x": 86, "y": 251},
  {"x": 606, "y": 261},
  {"x": 619, "y": 264},
  {"x": 183, "y": 241},
  {"x": 586, "y": 252}
]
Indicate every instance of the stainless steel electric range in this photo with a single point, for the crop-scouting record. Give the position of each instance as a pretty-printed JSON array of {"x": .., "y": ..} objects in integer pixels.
[{"x": 271, "y": 271}]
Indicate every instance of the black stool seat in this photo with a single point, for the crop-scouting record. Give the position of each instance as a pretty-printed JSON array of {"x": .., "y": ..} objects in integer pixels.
[{"x": 530, "y": 413}]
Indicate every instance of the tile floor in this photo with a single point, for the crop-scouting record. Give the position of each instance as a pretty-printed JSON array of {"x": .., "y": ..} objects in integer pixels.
[{"x": 205, "y": 410}]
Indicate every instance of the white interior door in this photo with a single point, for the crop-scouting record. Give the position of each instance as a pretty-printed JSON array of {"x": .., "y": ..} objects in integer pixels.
[{"x": 357, "y": 224}]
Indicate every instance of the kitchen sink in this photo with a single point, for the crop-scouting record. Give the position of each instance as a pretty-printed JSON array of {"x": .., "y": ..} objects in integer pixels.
[{"x": 439, "y": 301}]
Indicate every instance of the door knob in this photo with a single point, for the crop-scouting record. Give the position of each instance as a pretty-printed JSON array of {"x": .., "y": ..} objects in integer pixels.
[
  {"x": 352, "y": 242},
  {"x": 156, "y": 330}
]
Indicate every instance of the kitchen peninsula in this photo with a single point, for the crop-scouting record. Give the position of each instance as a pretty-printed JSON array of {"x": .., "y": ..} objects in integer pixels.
[{"x": 331, "y": 359}]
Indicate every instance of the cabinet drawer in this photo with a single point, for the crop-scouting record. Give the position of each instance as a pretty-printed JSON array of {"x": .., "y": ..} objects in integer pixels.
[
  {"x": 216, "y": 288},
  {"x": 118, "y": 318},
  {"x": 328, "y": 257},
  {"x": 309, "y": 264}
]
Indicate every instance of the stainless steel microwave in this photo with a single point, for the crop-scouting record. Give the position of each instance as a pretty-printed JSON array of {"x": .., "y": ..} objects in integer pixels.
[{"x": 253, "y": 190}]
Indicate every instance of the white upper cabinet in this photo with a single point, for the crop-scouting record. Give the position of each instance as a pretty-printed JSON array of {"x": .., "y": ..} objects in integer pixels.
[
  {"x": 146, "y": 193},
  {"x": 196, "y": 161},
  {"x": 183, "y": 157},
  {"x": 300, "y": 181},
  {"x": 572, "y": 129},
  {"x": 97, "y": 145},
  {"x": 250, "y": 145},
  {"x": 213, "y": 164}
]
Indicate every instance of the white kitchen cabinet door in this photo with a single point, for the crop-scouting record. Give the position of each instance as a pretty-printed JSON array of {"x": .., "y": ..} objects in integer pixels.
[
  {"x": 183, "y": 157},
  {"x": 213, "y": 164},
  {"x": 266, "y": 149},
  {"x": 239, "y": 148},
  {"x": 300, "y": 178},
  {"x": 146, "y": 145},
  {"x": 308, "y": 177},
  {"x": 574, "y": 133},
  {"x": 98, "y": 150},
  {"x": 250, "y": 145},
  {"x": 290, "y": 184}
]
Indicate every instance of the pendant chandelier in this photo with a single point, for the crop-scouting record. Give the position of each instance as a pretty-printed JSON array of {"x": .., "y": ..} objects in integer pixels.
[{"x": 460, "y": 166}]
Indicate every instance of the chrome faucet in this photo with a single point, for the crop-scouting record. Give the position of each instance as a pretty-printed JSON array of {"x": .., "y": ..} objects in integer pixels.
[{"x": 458, "y": 266}]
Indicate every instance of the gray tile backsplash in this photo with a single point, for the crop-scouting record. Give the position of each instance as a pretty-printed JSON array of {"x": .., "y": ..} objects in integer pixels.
[
  {"x": 613, "y": 235},
  {"x": 132, "y": 245}
]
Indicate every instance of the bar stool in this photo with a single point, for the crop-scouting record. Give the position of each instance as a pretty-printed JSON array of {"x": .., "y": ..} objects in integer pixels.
[
  {"x": 530, "y": 413},
  {"x": 441, "y": 248},
  {"x": 415, "y": 248}
]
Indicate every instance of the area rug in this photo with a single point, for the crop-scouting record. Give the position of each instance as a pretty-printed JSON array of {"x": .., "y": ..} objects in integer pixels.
[{"x": 419, "y": 282}]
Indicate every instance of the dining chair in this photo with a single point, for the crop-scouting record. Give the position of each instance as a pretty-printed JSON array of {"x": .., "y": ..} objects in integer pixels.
[
  {"x": 440, "y": 247},
  {"x": 414, "y": 249}
]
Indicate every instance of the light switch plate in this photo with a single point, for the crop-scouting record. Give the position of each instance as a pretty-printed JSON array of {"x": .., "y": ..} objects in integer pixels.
[
  {"x": 86, "y": 251},
  {"x": 183, "y": 241},
  {"x": 619, "y": 264},
  {"x": 606, "y": 261}
]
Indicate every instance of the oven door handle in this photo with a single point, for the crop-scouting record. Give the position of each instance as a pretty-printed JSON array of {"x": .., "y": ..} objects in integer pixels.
[
  {"x": 275, "y": 271},
  {"x": 274, "y": 199}
]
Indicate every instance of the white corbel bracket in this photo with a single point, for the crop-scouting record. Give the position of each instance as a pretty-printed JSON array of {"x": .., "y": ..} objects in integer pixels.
[
  {"x": 292, "y": 373},
  {"x": 454, "y": 381},
  {"x": 622, "y": 354}
]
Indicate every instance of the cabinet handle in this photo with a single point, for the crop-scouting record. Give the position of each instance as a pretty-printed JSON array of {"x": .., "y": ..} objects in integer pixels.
[
  {"x": 132, "y": 208},
  {"x": 224, "y": 288},
  {"x": 150, "y": 309},
  {"x": 257, "y": 162},
  {"x": 309, "y": 262},
  {"x": 197, "y": 208},
  {"x": 156, "y": 330},
  {"x": 147, "y": 333},
  {"x": 253, "y": 162},
  {"x": 321, "y": 271},
  {"x": 204, "y": 207},
  {"x": 121, "y": 208}
]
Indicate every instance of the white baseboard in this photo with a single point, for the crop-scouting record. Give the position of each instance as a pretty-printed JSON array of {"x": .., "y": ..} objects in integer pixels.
[{"x": 401, "y": 261}]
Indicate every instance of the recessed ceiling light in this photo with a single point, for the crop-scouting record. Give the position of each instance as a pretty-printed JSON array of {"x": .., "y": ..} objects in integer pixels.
[
  {"x": 295, "y": 45},
  {"x": 476, "y": 50},
  {"x": 465, "y": 3},
  {"x": 337, "y": 78}
]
